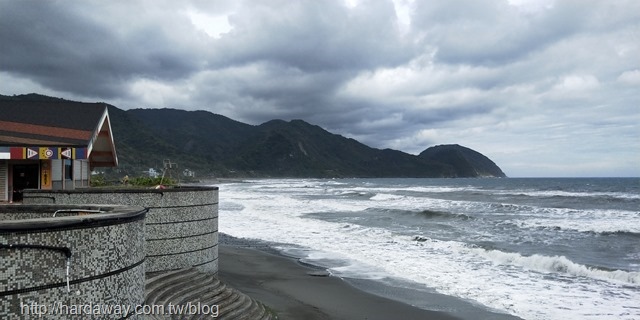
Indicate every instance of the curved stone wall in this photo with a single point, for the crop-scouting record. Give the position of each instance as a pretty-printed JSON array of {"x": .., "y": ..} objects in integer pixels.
[
  {"x": 104, "y": 249},
  {"x": 181, "y": 225}
]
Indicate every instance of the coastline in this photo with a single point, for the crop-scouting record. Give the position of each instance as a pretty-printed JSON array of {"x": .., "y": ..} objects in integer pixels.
[{"x": 300, "y": 291}]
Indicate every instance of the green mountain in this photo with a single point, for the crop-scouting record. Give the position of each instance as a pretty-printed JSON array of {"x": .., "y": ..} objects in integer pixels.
[
  {"x": 464, "y": 162},
  {"x": 214, "y": 145}
]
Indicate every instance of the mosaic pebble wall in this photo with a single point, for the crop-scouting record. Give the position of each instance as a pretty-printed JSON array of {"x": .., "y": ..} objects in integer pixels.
[
  {"x": 106, "y": 268},
  {"x": 181, "y": 225}
]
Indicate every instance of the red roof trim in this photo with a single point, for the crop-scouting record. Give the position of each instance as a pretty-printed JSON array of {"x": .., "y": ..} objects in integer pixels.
[
  {"x": 28, "y": 141},
  {"x": 45, "y": 131}
]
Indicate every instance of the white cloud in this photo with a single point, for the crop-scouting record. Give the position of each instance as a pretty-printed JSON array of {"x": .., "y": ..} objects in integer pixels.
[
  {"x": 532, "y": 6},
  {"x": 572, "y": 87},
  {"x": 213, "y": 25},
  {"x": 631, "y": 77}
]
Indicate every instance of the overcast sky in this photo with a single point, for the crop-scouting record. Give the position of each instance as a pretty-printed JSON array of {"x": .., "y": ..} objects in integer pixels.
[{"x": 542, "y": 87}]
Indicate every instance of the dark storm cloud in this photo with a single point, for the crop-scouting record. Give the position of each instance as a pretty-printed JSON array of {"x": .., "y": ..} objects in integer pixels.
[
  {"x": 306, "y": 50},
  {"x": 315, "y": 36},
  {"x": 57, "y": 46}
]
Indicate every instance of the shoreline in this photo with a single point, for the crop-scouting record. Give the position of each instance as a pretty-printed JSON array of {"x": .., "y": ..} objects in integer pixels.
[{"x": 295, "y": 290}]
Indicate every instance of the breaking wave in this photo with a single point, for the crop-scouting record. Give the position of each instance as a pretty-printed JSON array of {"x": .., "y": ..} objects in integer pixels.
[
  {"x": 558, "y": 264},
  {"x": 442, "y": 214}
]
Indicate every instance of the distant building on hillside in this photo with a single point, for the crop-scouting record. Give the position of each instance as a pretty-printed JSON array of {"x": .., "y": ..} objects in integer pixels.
[
  {"x": 188, "y": 173},
  {"x": 52, "y": 144},
  {"x": 153, "y": 173}
]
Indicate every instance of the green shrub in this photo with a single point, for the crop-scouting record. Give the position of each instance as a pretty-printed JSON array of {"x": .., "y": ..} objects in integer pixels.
[
  {"x": 98, "y": 180},
  {"x": 150, "y": 182}
]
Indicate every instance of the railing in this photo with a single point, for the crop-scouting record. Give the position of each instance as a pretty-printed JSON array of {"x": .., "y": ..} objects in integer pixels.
[{"x": 64, "y": 250}]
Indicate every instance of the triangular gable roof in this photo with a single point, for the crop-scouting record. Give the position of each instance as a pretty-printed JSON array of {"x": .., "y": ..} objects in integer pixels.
[
  {"x": 51, "y": 122},
  {"x": 102, "y": 149}
]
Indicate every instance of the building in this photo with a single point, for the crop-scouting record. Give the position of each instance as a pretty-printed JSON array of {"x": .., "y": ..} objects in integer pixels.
[
  {"x": 48, "y": 143},
  {"x": 153, "y": 173}
]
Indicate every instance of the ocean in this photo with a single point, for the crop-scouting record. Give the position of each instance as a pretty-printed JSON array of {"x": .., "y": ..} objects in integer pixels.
[{"x": 535, "y": 248}]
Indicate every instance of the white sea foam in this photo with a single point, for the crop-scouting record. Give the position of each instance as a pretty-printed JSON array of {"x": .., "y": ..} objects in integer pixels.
[
  {"x": 532, "y": 287},
  {"x": 559, "y": 193},
  {"x": 588, "y": 220},
  {"x": 386, "y": 197},
  {"x": 433, "y": 189},
  {"x": 558, "y": 264},
  {"x": 602, "y": 225}
]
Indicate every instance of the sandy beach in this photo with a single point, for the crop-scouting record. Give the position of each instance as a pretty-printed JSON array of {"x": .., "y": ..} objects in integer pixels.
[
  {"x": 288, "y": 289},
  {"x": 295, "y": 291}
]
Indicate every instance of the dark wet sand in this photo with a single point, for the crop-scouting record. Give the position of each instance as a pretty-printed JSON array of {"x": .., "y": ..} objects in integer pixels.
[{"x": 287, "y": 288}]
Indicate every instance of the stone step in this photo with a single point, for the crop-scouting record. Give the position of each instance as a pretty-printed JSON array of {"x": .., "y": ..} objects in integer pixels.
[
  {"x": 165, "y": 285},
  {"x": 237, "y": 303},
  {"x": 242, "y": 307},
  {"x": 255, "y": 311},
  {"x": 161, "y": 280},
  {"x": 181, "y": 287},
  {"x": 225, "y": 298},
  {"x": 217, "y": 296},
  {"x": 176, "y": 290},
  {"x": 158, "y": 276},
  {"x": 212, "y": 285}
]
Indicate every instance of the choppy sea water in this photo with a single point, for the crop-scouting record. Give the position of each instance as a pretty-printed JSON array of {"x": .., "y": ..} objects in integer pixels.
[{"x": 534, "y": 248}]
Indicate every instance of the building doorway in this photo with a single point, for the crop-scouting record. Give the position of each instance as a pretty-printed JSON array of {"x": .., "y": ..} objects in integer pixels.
[{"x": 25, "y": 176}]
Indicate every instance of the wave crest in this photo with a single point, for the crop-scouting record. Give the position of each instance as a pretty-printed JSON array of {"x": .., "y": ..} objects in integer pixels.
[
  {"x": 442, "y": 214},
  {"x": 559, "y": 264}
]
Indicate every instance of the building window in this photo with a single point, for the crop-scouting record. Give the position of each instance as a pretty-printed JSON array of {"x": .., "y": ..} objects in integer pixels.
[{"x": 68, "y": 169}]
